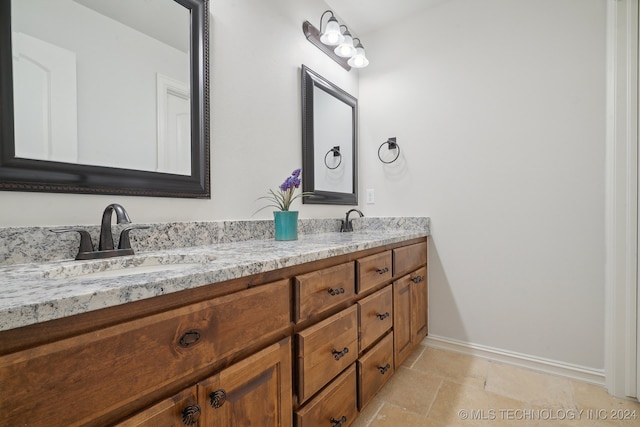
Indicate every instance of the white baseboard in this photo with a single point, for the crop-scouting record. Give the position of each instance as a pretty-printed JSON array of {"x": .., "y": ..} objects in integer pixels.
[{"x": 547, "y": 366}]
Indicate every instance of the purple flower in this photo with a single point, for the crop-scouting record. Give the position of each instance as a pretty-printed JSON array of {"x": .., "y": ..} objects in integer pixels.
[{"x": 283, "y": 198}]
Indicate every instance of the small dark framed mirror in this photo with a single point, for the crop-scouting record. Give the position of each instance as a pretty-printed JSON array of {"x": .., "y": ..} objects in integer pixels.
[
  {"x": 329, "y": 142},
  {"x": 105, "y": 97}
]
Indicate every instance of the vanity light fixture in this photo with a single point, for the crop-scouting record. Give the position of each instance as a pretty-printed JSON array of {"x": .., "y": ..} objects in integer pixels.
[{"x": 338, "y": 45}]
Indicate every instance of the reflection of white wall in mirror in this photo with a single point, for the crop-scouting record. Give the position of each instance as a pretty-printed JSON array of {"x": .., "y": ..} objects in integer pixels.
[
  {"x": 332, "y": 126},
  {"x": 116, "y": 77},
  {"x": 45, "y": 112},
  {"x": 174, "y": 126}
]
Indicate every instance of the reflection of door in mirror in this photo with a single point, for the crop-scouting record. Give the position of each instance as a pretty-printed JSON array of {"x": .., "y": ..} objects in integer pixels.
[
  {"x": 113, "y": 51},
  {"x": 332, "y": 127},
  {"x": 44, "y": 87}
]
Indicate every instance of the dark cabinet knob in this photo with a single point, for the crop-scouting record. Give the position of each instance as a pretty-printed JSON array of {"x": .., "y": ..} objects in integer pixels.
[
  {"x": 191, "y": 415},
  {"x": 189, "y": 338},
  {"x": 417, "y": 279},
  {"x": 339, "y": 354},
  {"x": 382, "y": 316},
  {"x": 338, "y": 422},
  {"x": 384, "y": 368},
  {"x": 382, "y": 270},
  {"x": 217, "y": 398},
  {"x": 334, "y": 292}
]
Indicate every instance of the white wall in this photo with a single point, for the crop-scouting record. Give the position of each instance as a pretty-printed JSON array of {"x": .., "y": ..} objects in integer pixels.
[
  {"x": 499, "y": 109},
  {"x": 257, "y": 49}
]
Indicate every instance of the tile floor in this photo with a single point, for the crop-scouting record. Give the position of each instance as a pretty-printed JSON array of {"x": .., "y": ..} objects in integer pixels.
[{"x": 437, "y": 388}]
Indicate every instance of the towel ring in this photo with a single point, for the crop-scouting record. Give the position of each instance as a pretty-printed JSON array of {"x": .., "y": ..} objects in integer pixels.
[
  {"x": 336, "y": 153},
  {"x": 392, "y": 145}
]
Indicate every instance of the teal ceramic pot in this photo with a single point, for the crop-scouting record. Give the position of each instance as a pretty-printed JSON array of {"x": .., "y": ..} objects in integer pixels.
[{"x": 286, "y": 223}]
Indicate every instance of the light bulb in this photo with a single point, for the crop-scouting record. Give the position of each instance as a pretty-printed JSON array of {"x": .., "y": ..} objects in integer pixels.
[
  {"x": 346, "y": 49},
  {"x": 332, "y": 35},
  {"x": 359, "y": 60}
]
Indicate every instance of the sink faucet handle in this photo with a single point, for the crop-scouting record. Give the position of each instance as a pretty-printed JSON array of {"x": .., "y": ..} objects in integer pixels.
[
  {"x": 85, "y": 238},
  {"x": 124, "y": 242}
]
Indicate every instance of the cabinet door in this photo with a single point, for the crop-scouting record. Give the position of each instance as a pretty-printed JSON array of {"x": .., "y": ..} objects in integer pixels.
[
  {"x": 177, "y": 411},
  {"x": 419, "y": 295},
  {"x": 402, "y": 309},
  {"x": 254, "y": 392}
]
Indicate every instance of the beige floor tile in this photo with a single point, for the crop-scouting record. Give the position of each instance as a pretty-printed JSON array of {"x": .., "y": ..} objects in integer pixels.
[
  {"x": 467, "y": 405},
  {"x": 537, "y": 389},
  {"x": 411, "y": 359},
  {"x": 410, "y": 390},
  {"x": 598, "y": 405},
  {"x": 456, "y": 367},
  {"x": 368, "y": 413},
  {"x": 392, "y": 416}
]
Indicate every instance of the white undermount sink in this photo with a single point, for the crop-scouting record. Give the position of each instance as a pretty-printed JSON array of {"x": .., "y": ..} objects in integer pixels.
[{"x": 129, "y": 265}]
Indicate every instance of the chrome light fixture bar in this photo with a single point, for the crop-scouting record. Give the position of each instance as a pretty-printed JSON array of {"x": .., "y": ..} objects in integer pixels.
[{"x": 338, "y": 45}]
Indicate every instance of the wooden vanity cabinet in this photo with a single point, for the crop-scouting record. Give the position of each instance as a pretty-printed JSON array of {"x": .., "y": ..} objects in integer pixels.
[
  {"x": 95, "y": 378},
  {"x": 254, "y": 391},
  {"x": 306, "y": 345}
]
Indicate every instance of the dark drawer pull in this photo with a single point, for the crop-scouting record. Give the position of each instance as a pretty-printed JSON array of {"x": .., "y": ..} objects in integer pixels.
[
  {"x": 335, "y": 292},
  {"x": 191, "y": 415},
  {"x": 382, "y": 316},
  {"x": 189, "y": 338},
  {"x": 382, "y": 270},
  {"x": 217, "y": 398},
  {"x": 339, "y": 354},
  {"x": 384, "y": 368},
  {"x": 338, "y": 422},
  {"x": 417, "y": 279}
]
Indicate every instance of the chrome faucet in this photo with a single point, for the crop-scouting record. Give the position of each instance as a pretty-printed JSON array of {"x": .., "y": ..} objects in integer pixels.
[
  {"x": 105, "y": 246},
  {"x": 106, "y": 238},
  {"x": 347, "y": 224}
]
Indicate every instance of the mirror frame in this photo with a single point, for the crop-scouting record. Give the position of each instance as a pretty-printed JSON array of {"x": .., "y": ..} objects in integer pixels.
[
  {"x": 311, "y": 80},
  {"x": 19, "y": 174}
]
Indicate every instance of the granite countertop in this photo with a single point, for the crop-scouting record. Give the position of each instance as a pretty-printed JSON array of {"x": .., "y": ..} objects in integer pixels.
[{"x": 37, "y": 292}]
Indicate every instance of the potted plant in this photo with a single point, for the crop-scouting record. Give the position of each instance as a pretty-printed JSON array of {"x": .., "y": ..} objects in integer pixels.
[{"x": 286, "y": 220}]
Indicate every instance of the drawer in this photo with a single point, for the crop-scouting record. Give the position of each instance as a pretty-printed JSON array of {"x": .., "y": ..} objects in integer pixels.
[
  {"x": 373, "y": 270},
  {"x": 325, "y": 349},
  {"x": 334, "y": 404},
  {"x": 321, "y": 290},
  {"x": 110, "y": 371},
  {"x": 408, "y": 258},
  {"x": 374, "y": 370},
  {"x": 375, "y": 314}
]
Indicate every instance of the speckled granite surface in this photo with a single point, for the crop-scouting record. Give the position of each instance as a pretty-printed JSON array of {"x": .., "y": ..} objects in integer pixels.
[{"x": 34, "y": 292}]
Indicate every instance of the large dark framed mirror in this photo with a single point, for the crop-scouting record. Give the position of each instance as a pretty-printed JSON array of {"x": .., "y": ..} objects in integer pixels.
[
  {"x": 329, "y": 142},
  {"x": 105, "y": 97}
]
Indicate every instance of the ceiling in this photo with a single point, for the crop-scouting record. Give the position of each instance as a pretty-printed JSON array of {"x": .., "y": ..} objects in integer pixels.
[{"x": 364, "y": 16}]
